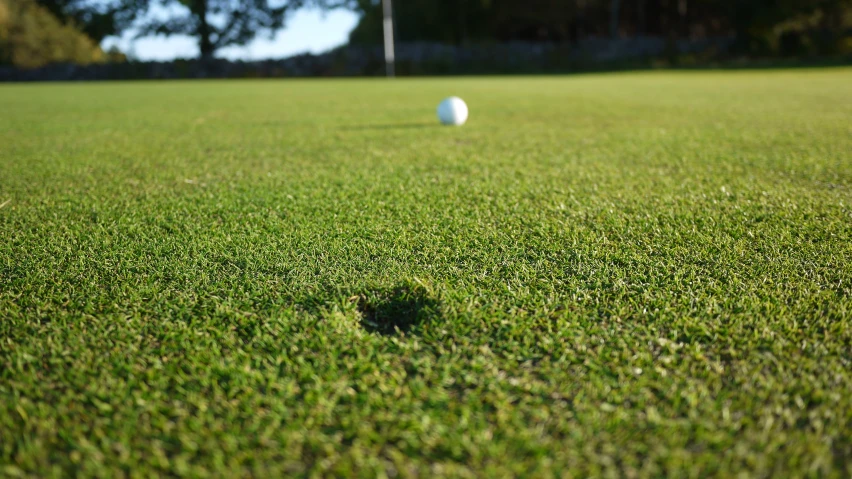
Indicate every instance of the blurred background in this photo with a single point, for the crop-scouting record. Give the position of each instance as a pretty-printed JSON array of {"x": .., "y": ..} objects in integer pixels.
[{"x": 115, "y": 39}]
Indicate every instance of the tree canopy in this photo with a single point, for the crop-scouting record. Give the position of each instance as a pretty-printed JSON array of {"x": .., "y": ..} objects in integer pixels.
[
  {"x": 759, "y": 25},
  {"x": 98, "y": 19},
  {"x": 220, "y": 23},
  {"x": 214, "y": 23},
  {"x": 475, "y": 21},
  {"x": 30, "y": 36}
]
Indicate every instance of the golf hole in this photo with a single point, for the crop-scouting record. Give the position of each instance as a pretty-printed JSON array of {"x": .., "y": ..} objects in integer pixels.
[{"x": 396, "y": 311}]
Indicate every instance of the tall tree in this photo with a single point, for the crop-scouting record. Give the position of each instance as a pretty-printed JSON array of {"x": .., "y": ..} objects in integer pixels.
[
  {"x": 98, "y": 19},
  {"x": 31, "y": 36},
  {"x": 218, "y": 23},
  {"x": 214, "y": 23}
]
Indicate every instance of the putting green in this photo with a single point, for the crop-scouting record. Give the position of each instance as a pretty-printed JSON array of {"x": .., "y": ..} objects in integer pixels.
[{"x": 628, "y": 275}]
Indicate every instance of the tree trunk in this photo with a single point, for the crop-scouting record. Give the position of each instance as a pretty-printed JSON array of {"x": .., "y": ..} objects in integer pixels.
[
  {"x": 613, "y": 19},
  {"x": 205, "y": 44}
]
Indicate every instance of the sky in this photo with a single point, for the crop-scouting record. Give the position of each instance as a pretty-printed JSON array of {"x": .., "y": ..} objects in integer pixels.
[{"x": 311, "y": 31}]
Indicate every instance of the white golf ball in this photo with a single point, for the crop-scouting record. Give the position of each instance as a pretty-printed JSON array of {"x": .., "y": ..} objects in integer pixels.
[{"x": 452, "y": 111}]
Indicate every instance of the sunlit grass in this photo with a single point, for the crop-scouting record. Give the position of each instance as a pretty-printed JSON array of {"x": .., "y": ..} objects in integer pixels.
[{"x": 630, "y": 275}]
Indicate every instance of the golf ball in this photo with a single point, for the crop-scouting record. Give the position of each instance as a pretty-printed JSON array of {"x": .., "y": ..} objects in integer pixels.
[{"x": 452, "y": 111}]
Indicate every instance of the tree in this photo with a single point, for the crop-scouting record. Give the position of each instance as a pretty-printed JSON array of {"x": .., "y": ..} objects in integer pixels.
[
  {"x": 98, "y": 19},
  {"x": 824, "y": 25},
  {"x": 30, "y": 37},
  {"x": 219, "y": 23},
  {"x": 466, "y": 21},
  {"x": 214, "y": 23}
]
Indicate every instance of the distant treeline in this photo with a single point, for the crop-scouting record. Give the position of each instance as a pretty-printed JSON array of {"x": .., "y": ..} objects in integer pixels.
[
  {"x": 35, "y": 33},
  {"x": 411, "y": 59},
  {"x": 790, "y": 27}
]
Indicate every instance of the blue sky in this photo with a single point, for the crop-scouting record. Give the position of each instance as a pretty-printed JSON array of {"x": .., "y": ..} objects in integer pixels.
[{"x": 306, "y": 31}]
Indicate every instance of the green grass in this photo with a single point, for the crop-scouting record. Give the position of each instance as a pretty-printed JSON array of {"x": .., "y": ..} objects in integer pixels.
[{"x": 633, "y": 275}]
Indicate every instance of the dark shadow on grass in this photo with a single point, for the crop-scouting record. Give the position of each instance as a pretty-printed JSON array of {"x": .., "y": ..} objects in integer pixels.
[
  {"x": 396, "y": 311},
  {"x": 389, "y": 126}
]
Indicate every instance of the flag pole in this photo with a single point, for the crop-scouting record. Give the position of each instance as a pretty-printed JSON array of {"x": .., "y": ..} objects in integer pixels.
[{"x": 389, "y": 48}]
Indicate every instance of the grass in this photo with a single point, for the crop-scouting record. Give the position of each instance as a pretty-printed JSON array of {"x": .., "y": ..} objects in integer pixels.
[{"x": 631, "y": 275}]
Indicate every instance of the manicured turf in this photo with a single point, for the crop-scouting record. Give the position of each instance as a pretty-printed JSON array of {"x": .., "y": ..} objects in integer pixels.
[{"x": 629, "y": 275}]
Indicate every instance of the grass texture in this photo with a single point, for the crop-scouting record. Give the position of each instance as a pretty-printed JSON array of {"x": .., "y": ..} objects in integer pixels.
[{"x": 626, "y": 275}]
